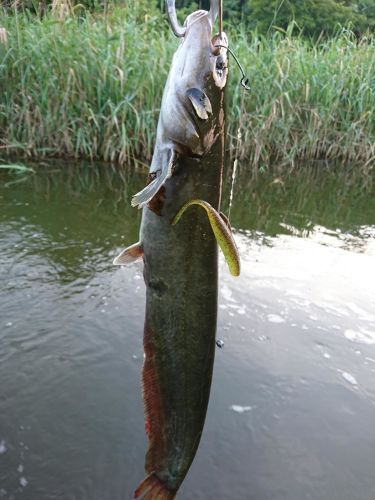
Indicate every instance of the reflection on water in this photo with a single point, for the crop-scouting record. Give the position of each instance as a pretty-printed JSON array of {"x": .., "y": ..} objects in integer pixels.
[{"x": 293, "y": 399}]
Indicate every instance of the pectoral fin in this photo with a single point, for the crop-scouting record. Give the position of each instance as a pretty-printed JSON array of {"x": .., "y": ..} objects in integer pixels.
[
  {"x": 222, "y": 231},
  {"x": 200, "y": 102},
  {"x": 143, "y": 197},
  {"x": 129, "y": 255}
]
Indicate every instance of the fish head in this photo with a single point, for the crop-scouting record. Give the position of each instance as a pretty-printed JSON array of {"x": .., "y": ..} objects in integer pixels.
[
  {"x": 202, "y": 59},
  {"x": 193, "y": 96}
]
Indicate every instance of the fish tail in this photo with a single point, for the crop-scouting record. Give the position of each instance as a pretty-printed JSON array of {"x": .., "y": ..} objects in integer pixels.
[{"x": 152, "y": 488}]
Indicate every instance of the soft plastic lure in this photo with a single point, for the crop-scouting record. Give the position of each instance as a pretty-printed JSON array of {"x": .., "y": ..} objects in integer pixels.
[{"x": 222, "y": 231}]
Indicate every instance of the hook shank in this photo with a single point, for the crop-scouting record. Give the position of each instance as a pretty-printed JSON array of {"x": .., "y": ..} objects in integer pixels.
[{"x": 178, "y": 30}]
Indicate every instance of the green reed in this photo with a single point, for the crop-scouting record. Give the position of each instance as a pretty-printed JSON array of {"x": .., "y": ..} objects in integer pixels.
[
  {"x": 91, "y": 87},
  {"x": 307, "y": 101}
]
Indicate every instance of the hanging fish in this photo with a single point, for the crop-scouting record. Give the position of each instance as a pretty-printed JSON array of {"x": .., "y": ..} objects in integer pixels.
[{"x": 181, "y": 260}]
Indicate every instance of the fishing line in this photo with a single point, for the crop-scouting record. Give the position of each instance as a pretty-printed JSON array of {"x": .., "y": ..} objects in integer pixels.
[
  {"x": 245, "y": 84},
  {"x": 234, "y": 175},
  {"x": 221, "y": 18},
  {"x": 244, "y": 80}
]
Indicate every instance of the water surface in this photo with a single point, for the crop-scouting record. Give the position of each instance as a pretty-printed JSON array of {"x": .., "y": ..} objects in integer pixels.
[{"x": 292, "y": 407}]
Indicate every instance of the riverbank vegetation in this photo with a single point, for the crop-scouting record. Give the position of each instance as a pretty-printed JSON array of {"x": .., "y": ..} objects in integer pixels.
[{"x": 90, "y": 86}]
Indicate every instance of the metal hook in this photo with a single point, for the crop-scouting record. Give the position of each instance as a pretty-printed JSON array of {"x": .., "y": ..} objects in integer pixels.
[
  {"x": 245, "y": 83},
  {"x": 178, "y": 30},
  {"x": 244, "y": 80},
  {"x": 221, "y": 18}
]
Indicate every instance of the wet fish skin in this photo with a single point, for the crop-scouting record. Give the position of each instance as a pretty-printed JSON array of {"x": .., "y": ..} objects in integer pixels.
[
  {"x": 181, "y": 261},
  {"x": 186, "y": 114},
  {"x": 180, "y": 326}
]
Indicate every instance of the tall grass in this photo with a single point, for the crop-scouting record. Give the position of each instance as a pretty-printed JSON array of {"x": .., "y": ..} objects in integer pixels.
[
  {"x": 307, "y": 101},
  {"x": 91, "y": 87}
]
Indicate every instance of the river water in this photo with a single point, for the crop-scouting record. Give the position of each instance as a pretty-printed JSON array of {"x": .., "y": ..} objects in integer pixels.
[{"x": 292, "y": 409}]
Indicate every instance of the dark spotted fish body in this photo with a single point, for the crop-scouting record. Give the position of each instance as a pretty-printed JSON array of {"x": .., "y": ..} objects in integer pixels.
[
  {"x": 180, "y": 272},
  {"x": 181, "y": 260}
]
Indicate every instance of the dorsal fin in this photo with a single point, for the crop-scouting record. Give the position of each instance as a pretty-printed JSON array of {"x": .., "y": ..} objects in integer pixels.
[{"x": 129, "y": 255}]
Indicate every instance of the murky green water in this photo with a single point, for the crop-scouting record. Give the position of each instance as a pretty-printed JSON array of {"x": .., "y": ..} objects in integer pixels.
[{"x": 292, "y": 408}]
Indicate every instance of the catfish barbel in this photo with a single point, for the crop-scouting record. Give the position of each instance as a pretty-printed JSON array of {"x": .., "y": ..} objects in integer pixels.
[{"x": 180, "y": 253}]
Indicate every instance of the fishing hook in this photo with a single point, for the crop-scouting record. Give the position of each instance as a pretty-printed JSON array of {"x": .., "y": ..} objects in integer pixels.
[{"x": 244, "y": 79}]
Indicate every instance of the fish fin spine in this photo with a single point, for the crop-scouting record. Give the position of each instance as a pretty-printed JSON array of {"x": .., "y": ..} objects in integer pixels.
[
  {"x": 129, "y": 255},
  {"x": 146, "y": 194},
  {"x": 143, "y": 197}
]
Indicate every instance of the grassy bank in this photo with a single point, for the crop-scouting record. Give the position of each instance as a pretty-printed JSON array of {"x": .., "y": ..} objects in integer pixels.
[{"x": 91, "y": 88}]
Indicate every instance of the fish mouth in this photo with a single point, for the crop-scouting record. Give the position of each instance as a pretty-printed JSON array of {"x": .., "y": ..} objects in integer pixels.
[
  {"x": 218, "y": 44},
  {"x": 219, "y": 63},
  {"x": 198, "y": 25}
]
